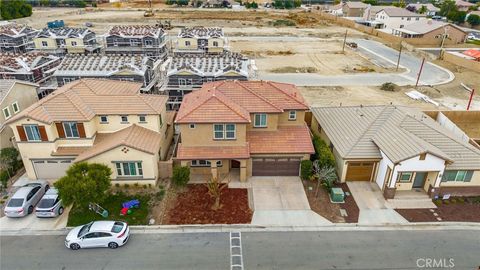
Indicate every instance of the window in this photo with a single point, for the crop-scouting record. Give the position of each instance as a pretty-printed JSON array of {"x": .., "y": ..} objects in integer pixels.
[
  {"x": 134, "y": 42},
  {"x": 457, "y": 176},
  {"x": 205, "y": 163},
  {"x": 129, "y": 168},
  {"x": 405, "y": 177},
  {"x": 292, "y": 115},
  {"x": 192, "y": 126},
  {"x": 148, "y": 43},
  {"x": 15, "y": 107},
  {"x": 115, "y": 42},
  {"x": 32, "y": 132},
  {"x": 409, "y": 19},
  {"x": 260, "y": 120},
  {"x": 187, "y": 43},
  {"x": 103, "y": 119},
  {"x": 417, "y": 19},
  {"x": 74, "y": 43},
  {"x": 44, "y": 44},
  {"x": 423, "y": 156},
  {"x": 142, "y": 119},
  {"x": 182, "y": 82},
  {"x": 401, "y": 26},
  {"x": 224, "y": 131},
  {"x": 124, "y": 119},
  {"x": 71, "y": 130},
  {"x": 6, "y": 112},
  {"x": 215, "y": 44}
]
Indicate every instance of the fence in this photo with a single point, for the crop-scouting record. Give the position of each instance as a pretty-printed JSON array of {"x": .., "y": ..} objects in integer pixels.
[{"x": 165, "y": 169}]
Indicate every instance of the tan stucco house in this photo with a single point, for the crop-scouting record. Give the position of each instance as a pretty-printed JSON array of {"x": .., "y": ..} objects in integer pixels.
[
  {"x": 102, "y": 121},
  {"x": 439, "y": 32},
  {"x": 14, "y": 97},
  {"x": 63, "y": 40},
  {"x": 201, "y": 40},
  {"x": 241, "y": 129},
  {"x": 399, "y": 148}
]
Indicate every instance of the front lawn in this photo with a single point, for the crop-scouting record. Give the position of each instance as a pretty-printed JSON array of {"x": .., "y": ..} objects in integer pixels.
[{"x": 113, "y": 204}]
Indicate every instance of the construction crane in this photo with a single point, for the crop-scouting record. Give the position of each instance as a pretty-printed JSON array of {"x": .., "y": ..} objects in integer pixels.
[{"x": 149, "y": 11}]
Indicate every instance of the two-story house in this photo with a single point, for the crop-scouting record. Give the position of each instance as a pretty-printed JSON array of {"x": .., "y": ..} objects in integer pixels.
[
  {"x": 394, "y": 17},
  {"x": 147, "y": 40},
  {"x": 16, "y": 38},
  {"x": 188, "y": 72},
  {"x": 14, "y": 97},
  {"x": 101, "y": 121},
  {"x": 135, "y": 68},
  {"x": 201, "y": 40},
  {"x": 59, "y": 41},
  {"x": 241, "y": 129}
]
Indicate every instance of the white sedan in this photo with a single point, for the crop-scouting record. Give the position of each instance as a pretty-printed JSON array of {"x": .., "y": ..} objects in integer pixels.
[{"x": 110, "y": 234}]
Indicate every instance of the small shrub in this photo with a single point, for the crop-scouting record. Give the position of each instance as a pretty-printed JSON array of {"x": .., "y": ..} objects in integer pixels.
[
  {"x": 453, "y": 200},
  {"x": 136, "y": 185},
  {"x": 446, "y": 202},
  {"x": 149, "y": 185},
  {"x": 388, "y": 86},
  {"x": 283, "y": 23},
  {"x": 437, "y": 202},
  {"x": 322, "y": 153},
  {"x": 181, "y": 175},
  {"x": 306, "y": 169},
  {"x": 4, "y": 178},
  {"x": 126, "y": 186},
  {"x": 144, "y": 186},
  {"x": 117, "y": 185},
  {"x": 159, "y": 195},
  {"x": 460, "y": 200},
  {"x": 476, "y": 199}
]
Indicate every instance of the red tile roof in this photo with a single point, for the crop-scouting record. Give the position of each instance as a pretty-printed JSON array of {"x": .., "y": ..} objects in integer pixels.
[
  {"x": 233, "y": 101},
  {"x": 285, "y": 140},
  {"x": 212, "y": 152}
]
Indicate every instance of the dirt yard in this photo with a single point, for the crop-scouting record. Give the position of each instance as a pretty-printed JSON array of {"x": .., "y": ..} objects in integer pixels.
[{"x": 454, "y": 209}]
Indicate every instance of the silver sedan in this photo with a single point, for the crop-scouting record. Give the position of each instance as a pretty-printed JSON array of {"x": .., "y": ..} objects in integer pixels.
[{"x": 25, "y": 198}]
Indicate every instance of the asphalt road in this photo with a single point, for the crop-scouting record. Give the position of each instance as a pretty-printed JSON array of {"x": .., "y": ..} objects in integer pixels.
[
  {"x": 379, "y": 54},
  {"x": 369, "y": 250}
]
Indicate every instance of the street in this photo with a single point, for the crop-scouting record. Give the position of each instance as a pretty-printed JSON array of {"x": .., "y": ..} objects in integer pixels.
[{"x": 370, "y": 250}]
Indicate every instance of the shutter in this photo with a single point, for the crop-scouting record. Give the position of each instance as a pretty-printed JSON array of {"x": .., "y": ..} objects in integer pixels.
[
  {"x": 21, "y": 133},
  {"x": 468, "y": 177},
  {"x": 43, "y": 133},
  {"x": 60, "y": 130},
  {"x": 81, "y": 130}
]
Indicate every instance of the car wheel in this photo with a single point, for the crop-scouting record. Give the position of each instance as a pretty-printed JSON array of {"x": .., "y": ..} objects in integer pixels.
[
  {"x": 112, "y": 245},
  {"x": 60, "y": 211},
  {"x": 74, "y": 246},
  {"x": 30, "y": 209}
]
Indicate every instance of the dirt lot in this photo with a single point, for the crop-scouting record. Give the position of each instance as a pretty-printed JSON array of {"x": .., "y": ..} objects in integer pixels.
[{"x": 454, "y": 209}]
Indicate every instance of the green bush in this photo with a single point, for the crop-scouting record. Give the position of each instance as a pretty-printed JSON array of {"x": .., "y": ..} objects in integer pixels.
[
  {"x": 4, "y": 178},
  {"x": 159, "y": 195},
  {"x": 283, "y": 23},
  {"x": 181, "y": 175},
  {"x": 306, "y": 169},
  {"x": 322, "y": 153},
  {"x": 388, "y": 86}
]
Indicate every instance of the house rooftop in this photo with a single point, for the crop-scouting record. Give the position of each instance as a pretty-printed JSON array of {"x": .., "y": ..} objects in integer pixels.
[
  {"x": 429, "y": 6},
  {"x": 15, "y": 30},
  {"x": 233, "y": 101},
  {"x": 399, "y": 132},
  {"x": 401, "y": 12},
  {"x": 64, "y": 32},
  {"x": 136, "y": 31},
  {"x": 423, "y": 27},
  {"x": 83, "y": 99},
  {"x": 287, "y": 139},
  {"x": 201, "y": 32},
  {"x": 461, "y": 3},
  {"x": 12, "y": 62},
  {"x": 356, "y": 5}
]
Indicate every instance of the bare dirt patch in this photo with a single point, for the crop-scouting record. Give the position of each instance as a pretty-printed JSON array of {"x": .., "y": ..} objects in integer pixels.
[{"x": 193, "y": 205}]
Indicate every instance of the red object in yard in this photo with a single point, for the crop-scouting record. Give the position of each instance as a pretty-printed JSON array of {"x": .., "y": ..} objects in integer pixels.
[
  {"x": 470, "y": 99},
  {"x": 124, "y": 211},
  {"x": 473, "y": 53}
]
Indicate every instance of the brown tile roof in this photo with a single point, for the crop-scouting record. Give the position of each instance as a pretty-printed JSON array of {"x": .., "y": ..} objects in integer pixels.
[
  {"x": 233, "y": 101},
  {"x": 70, "y": 150},
  {"x": 212, "y": 152},
  {"x": 83, "y": 99},
  {"x": 134, "y": 136},
  {"x": 285, "y": 140}
]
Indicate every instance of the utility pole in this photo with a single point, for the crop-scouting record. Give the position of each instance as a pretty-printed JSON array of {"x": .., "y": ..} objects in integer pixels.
[
  {"x": 472, "y": 92},
  {"x": 420, "y": 72},
  {"x": 344, "y": 41},
  {"x": 399, "y": 55}
]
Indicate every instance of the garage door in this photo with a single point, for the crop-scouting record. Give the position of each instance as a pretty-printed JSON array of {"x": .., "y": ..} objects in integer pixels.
[
  {"x": 275, "y": 166},
  {"x": 51, "y": 169},
  {"x": 359, "y": 171}
]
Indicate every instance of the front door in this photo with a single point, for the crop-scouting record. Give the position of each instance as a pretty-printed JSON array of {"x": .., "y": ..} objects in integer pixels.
[
  {"x": 419, "y": 180},
  {"x": 235, "y": 163}
]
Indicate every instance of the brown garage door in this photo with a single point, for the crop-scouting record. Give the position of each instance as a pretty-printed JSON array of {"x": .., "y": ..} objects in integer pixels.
[
  {"x": 275, "y": 166},
  {"x": 359, "y": 171}
]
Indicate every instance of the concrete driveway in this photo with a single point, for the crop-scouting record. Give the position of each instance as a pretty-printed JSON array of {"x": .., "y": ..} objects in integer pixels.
[
  {"x": 32, "y": 223},
  {"x": 281, "y": 201},
  {"x": 373, "y": 207}
]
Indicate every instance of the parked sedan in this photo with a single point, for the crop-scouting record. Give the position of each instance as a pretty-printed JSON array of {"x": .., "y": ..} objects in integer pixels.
[
  {"x": 25, "y": 199},
  {"x": 50, "y": 205},
  {"x": 110, "y": 234}
]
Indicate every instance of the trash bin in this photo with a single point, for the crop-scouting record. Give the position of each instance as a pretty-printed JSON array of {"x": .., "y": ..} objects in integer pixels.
[{"x": 337, "y": 195}]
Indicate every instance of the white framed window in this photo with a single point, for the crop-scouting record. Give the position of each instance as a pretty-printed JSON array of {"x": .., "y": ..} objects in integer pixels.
[
  {"x": 182, "y": 82},
  {"x": 292, "y": 115},
  {"x": 124, "y": 118},
  {"x": 15, "y": 107},
  {"x": 32, "y": 132},
  {"x": 260, "y": 120},
  {"x": 192, "y": 126},
  {"x": 224, "y": 131},
  {"x": 215, "y": 44},
  {"x": 148, "y": 43},
  {"x": 405, "y": 177},
  {"x": 129, "y": 168},
  {"x": 457, "y": 176},
  {"x": 6, "y": 112},
  {"x": 103, "y": 119},
  {"x": 71, "y": 130},
  {"x": 409, "y": 19},
  {"x": 204, "y": 163},
  {"x": 134, "y": 42},
  {"x": 142, "y": 119},
  {"x": 44, "y": 44}
]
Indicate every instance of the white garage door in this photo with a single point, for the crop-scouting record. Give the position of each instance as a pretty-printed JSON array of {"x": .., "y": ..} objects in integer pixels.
[{"x": 51, "y": 169}]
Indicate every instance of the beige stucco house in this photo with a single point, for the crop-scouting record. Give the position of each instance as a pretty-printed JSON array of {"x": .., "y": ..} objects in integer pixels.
[
  {"x": 399, "y": 148},
  {"x": 201, "y": 40},
  {"x": 63, "y": 40},
  {"x": 14, "y": 97},
  {"x": 103, "y": 121},
  {"x": 439, "y": 32},
  {"x": 240, "y": 129}
]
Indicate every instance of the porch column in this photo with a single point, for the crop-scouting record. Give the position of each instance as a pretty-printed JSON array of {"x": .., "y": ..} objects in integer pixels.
[
  {"x": 390, "y": 189},
  {"x": 214, "y": 168},
  {"x": 243, "y": 170}
]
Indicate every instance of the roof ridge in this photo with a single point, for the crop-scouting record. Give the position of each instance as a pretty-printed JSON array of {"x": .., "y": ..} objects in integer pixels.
[
  {"x": 230, "y": 107},
  {"x": 261, "y": 97},
  {"x": 144, "y": 98},
  {"x": 71, "y": 92},
  {"x": 281, "y": 90}
]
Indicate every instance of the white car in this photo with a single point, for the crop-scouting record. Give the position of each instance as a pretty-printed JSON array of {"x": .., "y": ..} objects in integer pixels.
[
  {"x": 25, "y": 198},
  {"x": 50, "y": 205},
  {"x": 110, "y": 234}
]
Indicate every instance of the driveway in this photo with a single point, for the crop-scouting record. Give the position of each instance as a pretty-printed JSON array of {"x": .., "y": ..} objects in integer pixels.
[
  {"x": 379, "y": 54},
  {"x": 281, "y": 201},
  {"x": 373, "y": 206},
  {"x": 32, "y": 223}
]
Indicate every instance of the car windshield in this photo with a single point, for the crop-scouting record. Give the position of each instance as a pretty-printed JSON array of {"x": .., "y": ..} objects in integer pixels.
[
  {"x": 15, "y": 203},
  {"x": 46, "y": 203},
  {"x": 85, "y": 229},
  {"x": 117, "y": 227}
]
